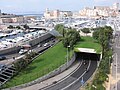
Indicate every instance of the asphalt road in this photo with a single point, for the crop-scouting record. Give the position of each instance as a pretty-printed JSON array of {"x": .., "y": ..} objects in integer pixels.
[
  {"x": 86, "y": 76},
  {"x": 116, "y": 62},
  {"x": 73, "y": 82},
  {"x": 116, "y": 58},
  {"x": 36, "y": 48}
]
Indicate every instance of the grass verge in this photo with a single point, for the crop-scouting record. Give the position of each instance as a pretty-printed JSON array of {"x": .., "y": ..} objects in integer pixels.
[
  {"x": 89, "y": 42},
  {"x": 45, "y": 63}
]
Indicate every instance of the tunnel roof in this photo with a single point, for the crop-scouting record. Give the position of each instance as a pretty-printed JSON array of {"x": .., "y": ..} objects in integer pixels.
[{"x": 86, "y": 50}]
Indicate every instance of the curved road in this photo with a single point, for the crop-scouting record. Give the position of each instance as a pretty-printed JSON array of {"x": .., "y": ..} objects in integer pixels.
[{"x": 73, "y": 82}]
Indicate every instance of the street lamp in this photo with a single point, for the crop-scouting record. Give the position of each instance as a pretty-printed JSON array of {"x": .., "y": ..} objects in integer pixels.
[{"x": 67, "y": 53}]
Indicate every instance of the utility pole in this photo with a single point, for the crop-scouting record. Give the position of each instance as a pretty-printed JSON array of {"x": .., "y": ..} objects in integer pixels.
[{"x": 68, "y": 53}]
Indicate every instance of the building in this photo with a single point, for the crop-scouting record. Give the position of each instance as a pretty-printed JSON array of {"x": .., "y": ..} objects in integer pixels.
[
  {"x": 10, "y": 18},
  {"x": 98, "y": 11},
  {"x": 89, "y": 12},
  {"x": 115, "y": 6},
  {"x": 57, "y": 14}
]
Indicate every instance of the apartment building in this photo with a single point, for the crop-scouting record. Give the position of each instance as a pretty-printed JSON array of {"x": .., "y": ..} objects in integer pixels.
[
  {"x": 100, "y": 11},
  {"x": 12, "y": 19}
]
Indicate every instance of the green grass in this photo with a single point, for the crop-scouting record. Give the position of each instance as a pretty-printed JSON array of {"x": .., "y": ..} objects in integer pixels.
[
  {"x": 88, "y": 42},
  {"x": 49, "y": 61},
  {"x": 42, "y": 65}
]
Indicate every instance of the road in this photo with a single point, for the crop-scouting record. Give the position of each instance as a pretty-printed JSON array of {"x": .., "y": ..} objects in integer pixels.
[
  {"x": 73, "y": 82},
  {"x": 116, "y": 60},
  {"x": 9, "y": 57}
]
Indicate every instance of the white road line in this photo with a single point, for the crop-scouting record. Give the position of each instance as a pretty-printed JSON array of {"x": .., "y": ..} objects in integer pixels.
[
  {"x": 89, "y": 65},
  {"x": 116, "y": 70},
  {"x": 77, "y": 79},
  {"x": 72, "y": 72},
  {"x": 64, "y": 77}
]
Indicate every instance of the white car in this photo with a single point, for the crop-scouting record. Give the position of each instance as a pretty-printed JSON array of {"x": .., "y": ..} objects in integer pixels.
[
  {"x": 23, "y": 51},
  {"x": 46, "y": 44}
]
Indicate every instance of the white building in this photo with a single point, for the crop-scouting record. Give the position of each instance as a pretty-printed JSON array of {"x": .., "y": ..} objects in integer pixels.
[
  {"x": 99, "y": 11},
  {"x": 56, "y": 14},
  {"x": 115, "y": 6}
]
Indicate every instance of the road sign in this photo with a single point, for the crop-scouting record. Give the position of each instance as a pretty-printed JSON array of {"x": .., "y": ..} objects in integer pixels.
[{"x": 82, "y": 81}]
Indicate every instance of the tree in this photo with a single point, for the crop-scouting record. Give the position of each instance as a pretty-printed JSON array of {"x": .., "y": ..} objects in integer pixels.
[
  {"x": 60, "y": 28},
  {"x": 72, "y": 36},
  {"x": 85, "y": 30},
  {"x": 103, "y": 36},
  {"x": 20, "y": 64}
]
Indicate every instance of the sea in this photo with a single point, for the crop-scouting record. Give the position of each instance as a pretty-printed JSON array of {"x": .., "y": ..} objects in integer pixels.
[{"x": 38, "y": 16}]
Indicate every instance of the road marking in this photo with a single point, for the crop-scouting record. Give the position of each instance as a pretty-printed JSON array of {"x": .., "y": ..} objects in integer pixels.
[
  {"x": 72, "y": 72},
  {"x": 116, "y": 70},
  {"x": 77, "y": 79},
  {"x": 63, "y": 77}
]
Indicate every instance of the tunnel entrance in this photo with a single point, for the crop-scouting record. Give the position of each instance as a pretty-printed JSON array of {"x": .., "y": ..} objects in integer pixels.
[{"x": 87, "y": 54}]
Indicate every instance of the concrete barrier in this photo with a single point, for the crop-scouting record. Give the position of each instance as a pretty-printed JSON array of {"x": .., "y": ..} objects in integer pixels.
[
  {"x": 40, "y": 39},
  {"x": 10, "y": 50}
]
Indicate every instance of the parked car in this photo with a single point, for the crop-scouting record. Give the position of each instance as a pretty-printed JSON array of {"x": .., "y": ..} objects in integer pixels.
[
  {"x": 40, "y": 45},
  {"x": 46, "y": 44},
  {"x": 23, "y": 51},
  {"x": 2, "y": 57},
  {"x": 2, "y": 67}
]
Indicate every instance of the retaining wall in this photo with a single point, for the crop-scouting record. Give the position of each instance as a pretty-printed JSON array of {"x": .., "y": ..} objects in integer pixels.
[{"x": 49, "y": 75}]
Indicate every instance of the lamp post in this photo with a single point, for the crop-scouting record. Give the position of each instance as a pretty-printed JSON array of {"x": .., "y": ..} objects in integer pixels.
[{"x": 67, "y": 53}]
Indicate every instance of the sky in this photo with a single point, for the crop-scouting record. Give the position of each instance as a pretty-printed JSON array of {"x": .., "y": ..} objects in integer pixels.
[{"x": 39, "y": 6}]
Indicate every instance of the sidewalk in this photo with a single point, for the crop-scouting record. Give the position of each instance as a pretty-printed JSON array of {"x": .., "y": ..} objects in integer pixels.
[
  {"x": 110, "y": 85},
  {"x": 53, "y": 79}
]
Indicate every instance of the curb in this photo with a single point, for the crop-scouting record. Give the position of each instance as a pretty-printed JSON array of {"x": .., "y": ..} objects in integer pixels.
[{"x": 62, "y": 78}]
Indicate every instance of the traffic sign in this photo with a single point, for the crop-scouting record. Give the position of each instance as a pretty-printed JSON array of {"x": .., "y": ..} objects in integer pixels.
[{"x": 82, "y": 81}]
